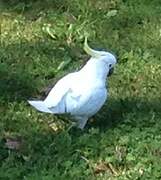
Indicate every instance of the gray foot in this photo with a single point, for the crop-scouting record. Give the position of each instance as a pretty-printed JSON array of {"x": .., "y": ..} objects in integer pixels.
[{"x": 81, "y": 122}]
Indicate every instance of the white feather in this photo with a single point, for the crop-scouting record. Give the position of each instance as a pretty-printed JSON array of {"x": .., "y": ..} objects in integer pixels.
[
  {"x": 40, "y": 106},
  {"x": 82, "y": 93}
]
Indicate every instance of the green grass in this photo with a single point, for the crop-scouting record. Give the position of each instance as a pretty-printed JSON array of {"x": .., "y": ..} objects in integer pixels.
[{"x": 124, "y": 140}]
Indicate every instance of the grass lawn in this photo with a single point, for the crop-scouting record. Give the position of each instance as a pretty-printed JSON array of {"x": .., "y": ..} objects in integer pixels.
[{"x": 124, "y": 139}]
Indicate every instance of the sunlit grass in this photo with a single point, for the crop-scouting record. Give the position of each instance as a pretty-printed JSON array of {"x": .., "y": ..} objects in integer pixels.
[{"x": 123, "y": 140}]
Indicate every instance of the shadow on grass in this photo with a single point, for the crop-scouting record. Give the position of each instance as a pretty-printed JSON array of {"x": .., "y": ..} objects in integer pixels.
[
  {"x": 18, "y": 82},
  {"x": 16, "y": 86},
  {"x": 33, "y": 9},
  {"x": 16, "y": 79},
  {"x": 25, "y": 64},
  {"x": 115, "y": 111},
  {"x": 17, "y": 5}
]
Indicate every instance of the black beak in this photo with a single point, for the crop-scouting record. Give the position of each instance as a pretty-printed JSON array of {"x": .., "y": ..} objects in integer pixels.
[{"x": 110, "y": 72}]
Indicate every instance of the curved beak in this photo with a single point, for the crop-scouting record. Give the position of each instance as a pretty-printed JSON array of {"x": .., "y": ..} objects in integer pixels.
[
  {"x": 110, "y": 72},
  {"x": 91, "y": 51}
]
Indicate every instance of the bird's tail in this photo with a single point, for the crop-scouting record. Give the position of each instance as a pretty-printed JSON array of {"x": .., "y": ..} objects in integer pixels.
[{"x": 40, "y": 106}]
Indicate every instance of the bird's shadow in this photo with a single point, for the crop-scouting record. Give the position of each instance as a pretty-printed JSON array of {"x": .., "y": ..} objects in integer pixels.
[{"x": 115, "y": 111}]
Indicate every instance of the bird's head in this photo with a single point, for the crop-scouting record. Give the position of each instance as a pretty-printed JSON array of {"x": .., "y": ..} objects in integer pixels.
[{"x": 108, "y": 58}]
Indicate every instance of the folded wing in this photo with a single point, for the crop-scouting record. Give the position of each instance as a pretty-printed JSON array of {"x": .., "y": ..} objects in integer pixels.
[{"x": 55, "y": 101}]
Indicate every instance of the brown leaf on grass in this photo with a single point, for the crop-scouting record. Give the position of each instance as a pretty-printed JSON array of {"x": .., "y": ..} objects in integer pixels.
[
  {"x": 103, "y": 167},
  {"x": 56, "y": 126},
  {"x": 13, "y": 143},
  {"x": 100, "y": 168}
]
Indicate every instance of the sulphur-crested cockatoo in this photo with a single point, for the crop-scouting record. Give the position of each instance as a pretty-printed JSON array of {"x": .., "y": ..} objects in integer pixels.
[{"x": 81, "y": 93}]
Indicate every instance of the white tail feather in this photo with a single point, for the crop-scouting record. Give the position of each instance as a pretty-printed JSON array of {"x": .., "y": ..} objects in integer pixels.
[{"x": 40, "y": 106}]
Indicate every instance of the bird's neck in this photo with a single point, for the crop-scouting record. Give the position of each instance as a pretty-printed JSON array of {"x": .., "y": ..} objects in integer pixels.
[{"x": 96, "y": 70}]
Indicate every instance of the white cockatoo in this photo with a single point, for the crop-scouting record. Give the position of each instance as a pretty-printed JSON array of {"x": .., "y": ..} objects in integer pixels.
[{"x": 82, "y": 93}]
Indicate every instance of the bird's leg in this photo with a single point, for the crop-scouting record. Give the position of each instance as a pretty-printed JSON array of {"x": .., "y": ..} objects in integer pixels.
[{"x": 81, "y": 122}]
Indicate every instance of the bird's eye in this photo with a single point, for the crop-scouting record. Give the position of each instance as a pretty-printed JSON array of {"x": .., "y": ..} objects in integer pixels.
[{"x": 110, "y": 65}]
